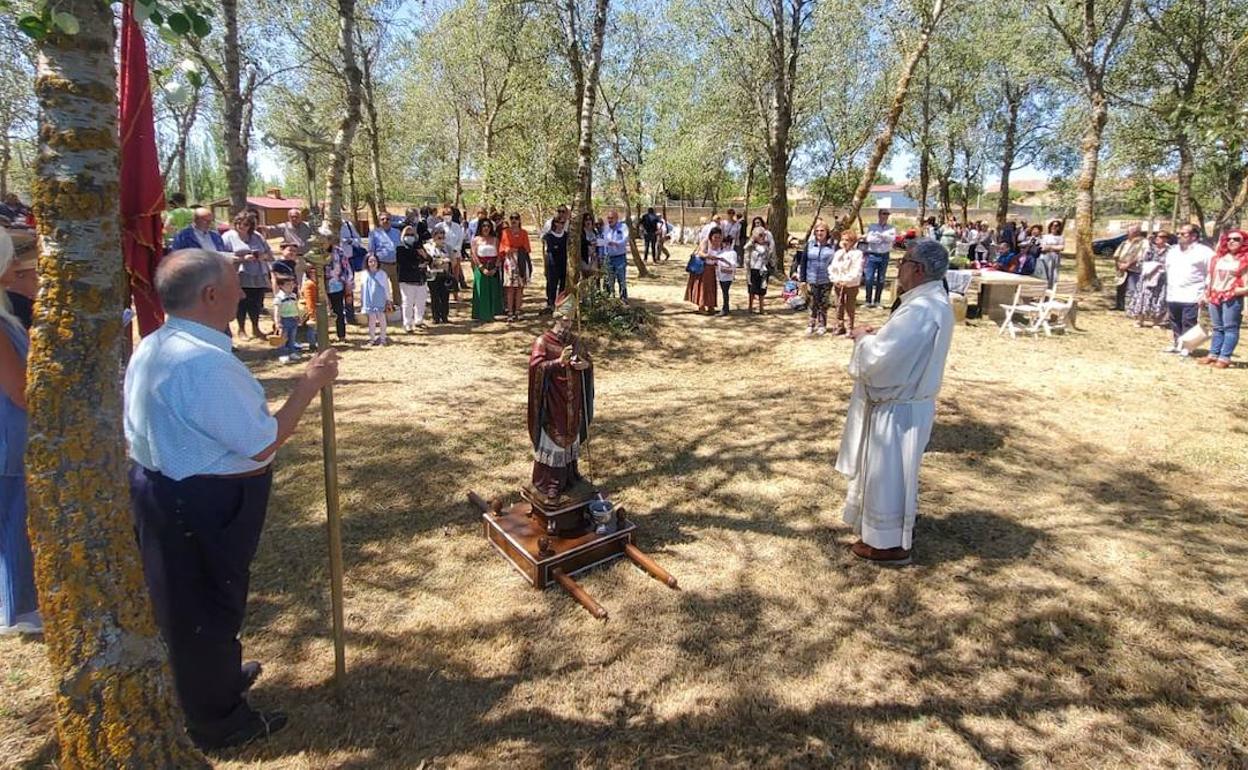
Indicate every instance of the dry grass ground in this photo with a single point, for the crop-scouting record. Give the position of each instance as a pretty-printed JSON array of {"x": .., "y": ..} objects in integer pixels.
[{"x": 1078, "y": 599}]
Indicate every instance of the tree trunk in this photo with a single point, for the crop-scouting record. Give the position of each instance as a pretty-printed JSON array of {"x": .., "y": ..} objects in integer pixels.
[
  {"x": 1187, "y": 169},
  {"x": 1085, "y": 195},
  {"x": 114, "y": 696},
  {"x": 885, "y": 140},
  {"x": 1230, "y": 213},
  {"x": 586, "y": 77},
  {"x": 622, "y": 174},
  {"x": 966, "y": 184},
  {"x": 6, "y": 159},
  {"x": 374, "y": 135},
  {"x": 232, "y": 106},
  {"x": 749, "y": 188},
  {"x": 353, "y": 197},
  {"x": 185, "y": 121},
  {"x": 682, "y": 217},
  {"x": 925, "y": 141},
  {"x": 1013, "y": 102},
  {"x": 459, "y": 159},
  {"x": 340, "y": 156},
  {"x": 1152, "y": 202}
]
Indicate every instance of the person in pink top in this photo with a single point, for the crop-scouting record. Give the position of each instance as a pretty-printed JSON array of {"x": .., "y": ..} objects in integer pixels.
[{"x": 1228, "y": 286}]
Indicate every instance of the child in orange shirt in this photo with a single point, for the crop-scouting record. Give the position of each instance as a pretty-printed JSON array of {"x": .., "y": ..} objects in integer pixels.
[{"x": 310, "y": 298}]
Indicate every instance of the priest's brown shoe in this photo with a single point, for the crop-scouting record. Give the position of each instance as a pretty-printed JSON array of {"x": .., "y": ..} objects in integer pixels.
[{"x": 884, "y": 557}]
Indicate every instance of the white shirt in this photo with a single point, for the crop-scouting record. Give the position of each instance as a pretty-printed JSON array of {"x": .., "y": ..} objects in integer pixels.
[
  {"x": 191, "y": 407},
  {"x": 725, "y": 264},
  {"x": 1186, "y": 272},
  {"x": 880, "y": 238},
  {"x": 846, "y": 267}
]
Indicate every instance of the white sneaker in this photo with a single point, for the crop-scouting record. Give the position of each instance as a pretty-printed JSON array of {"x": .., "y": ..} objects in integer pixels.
[
  {"x": 1184, "y": 353},
  {"x": 1171, "y": 349},
  {"x": 810, "y": 330},
  {"x": 283, "y": 359},
  {"x": 821, "y": 331}
]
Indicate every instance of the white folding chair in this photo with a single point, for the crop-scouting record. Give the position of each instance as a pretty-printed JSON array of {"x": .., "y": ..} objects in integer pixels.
[
  {"x": 1029, "y": 312},
  {"x": 1059, "y": 313}
]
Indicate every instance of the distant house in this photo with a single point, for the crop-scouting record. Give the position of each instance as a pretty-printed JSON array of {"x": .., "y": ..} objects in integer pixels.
[
  {"x": 272, "y": 207},
  {"x": 893, "y": 197},
  {"x": 1024, "y": 192}
]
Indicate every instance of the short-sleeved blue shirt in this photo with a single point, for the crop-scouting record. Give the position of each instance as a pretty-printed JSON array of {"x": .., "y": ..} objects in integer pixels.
[{"x": 192, "y": 408}]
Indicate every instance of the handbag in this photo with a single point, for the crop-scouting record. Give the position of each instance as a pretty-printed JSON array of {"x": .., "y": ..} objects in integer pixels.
[
  {"x": 1193, "y": 338},
  {"x": 696, "y": 265}
]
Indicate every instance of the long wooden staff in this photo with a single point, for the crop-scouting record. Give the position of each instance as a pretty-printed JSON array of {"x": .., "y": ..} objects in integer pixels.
[{"x": 320, "y": 255}]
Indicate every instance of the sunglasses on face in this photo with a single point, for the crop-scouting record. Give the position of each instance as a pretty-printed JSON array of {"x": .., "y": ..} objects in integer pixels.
[{"x": 1235, "y": 238}]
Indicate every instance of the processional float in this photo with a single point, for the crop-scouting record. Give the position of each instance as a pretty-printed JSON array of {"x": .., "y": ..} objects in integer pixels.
[{"x": 562, "y": 524}]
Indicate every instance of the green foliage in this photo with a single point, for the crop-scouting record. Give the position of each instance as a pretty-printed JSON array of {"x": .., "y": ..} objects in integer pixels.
[
  {"x": 190, "y": 19},
  {"x": 603, "y": 312}
]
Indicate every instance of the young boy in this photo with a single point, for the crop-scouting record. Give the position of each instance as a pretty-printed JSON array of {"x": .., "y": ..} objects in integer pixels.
[
  {"x": 310, "y": 299},
  {"x": 287, "y": 302}
]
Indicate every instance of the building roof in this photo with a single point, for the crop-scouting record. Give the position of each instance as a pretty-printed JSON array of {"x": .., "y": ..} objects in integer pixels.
[
  {"x": 888, "y": 188},
  {"x": 1019, "y": 185},
  {"x": 265, "y": 202}
]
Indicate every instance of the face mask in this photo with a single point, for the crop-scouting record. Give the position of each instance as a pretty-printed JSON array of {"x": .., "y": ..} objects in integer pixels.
[{"x": 409, "y": 240}]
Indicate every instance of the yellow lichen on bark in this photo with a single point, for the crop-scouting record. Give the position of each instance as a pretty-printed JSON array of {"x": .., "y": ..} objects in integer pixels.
[{"x": 114, "y": 695}]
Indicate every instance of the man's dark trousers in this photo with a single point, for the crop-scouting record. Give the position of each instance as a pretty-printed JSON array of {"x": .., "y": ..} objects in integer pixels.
[{"x": 197, "y": 538}]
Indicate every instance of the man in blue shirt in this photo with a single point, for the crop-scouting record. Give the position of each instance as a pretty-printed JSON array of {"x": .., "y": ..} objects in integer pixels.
[
  {"x": 614, "y": 244},
  {"x": 201, "y": 234},
  {"x": 383, "y": 240},
  {"x": 201, "y": 444}
]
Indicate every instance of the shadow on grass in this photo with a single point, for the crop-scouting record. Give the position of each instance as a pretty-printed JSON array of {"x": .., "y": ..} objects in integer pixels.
[{"x": 1004, "y": 624}]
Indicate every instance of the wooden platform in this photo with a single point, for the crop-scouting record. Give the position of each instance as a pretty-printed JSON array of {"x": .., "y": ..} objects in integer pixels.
[
  {"x": 514, "y": 536},
  {"x": 544, "y": 559}
]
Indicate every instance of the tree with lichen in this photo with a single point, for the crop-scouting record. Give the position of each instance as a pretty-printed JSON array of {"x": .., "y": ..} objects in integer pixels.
[{"x": 114, "y": 696}]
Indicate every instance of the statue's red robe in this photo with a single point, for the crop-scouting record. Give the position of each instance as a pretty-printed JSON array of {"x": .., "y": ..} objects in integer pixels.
[{"x": 561, "y": 404}]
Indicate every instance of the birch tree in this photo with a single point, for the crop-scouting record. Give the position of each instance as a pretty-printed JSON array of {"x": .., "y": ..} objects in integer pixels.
[
  {"x": 928, "y": 14},
  {"x": 114, "y": 696},
  {"x": 1092, "y": 31}
]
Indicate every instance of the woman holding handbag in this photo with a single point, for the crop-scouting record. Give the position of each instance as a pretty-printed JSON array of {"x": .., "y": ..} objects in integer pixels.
[
  {"x": 1228, "y": 285},
  {"x": 1148, "y": 303},
  {"x": 702, "y": 287}
]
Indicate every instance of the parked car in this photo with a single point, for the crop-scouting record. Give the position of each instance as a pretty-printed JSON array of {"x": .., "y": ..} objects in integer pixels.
[{"x": 1105, "y": 247}]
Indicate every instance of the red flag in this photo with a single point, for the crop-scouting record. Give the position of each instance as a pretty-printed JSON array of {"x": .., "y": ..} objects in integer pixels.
[{"x": 142, "y": 189}]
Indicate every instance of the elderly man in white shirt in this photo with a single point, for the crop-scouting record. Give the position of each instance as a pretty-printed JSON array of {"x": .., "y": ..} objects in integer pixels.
[
  {"x": 897, "y": 372},
  {"x": 201, "y": 444},
  {"x": 1187, "y": 272}
]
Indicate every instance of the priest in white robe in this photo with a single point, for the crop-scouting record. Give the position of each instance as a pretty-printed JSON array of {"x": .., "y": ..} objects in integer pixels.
[{"x": 897, "y": 371}]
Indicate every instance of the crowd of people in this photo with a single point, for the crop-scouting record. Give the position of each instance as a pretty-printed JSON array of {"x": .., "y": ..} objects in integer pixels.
[{"x": 1165, "y": 282}]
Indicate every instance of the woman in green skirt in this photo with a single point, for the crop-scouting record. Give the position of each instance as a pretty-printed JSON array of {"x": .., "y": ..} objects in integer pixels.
[{"x": 487, "y": 281}]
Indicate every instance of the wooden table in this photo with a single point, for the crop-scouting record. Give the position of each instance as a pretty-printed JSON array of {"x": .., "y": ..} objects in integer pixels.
[{"x": 996, "y": 288}]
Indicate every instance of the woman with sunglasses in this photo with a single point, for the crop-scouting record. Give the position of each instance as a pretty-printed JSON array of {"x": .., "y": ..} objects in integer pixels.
[
  {"x": 487, "y": 282},
  {"x": 1148, "y": 304},
  {"x": 517, "y": 266},
  {"x": 1228, "y": 285}
]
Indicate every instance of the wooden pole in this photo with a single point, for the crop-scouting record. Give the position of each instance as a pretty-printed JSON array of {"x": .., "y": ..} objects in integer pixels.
[
  {"x": 578, "y": 593},
  {"x": 329, "y": 451},
  {"x": 329, "y": 440},
  {"x": 650, "y": 566}
]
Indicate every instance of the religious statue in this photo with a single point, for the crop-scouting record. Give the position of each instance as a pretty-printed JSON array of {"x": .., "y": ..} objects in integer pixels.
[{"x": 561, "y": 406}]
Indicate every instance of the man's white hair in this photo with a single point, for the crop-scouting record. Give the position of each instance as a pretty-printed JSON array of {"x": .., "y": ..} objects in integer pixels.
[{"x": 932, "y": 256}]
